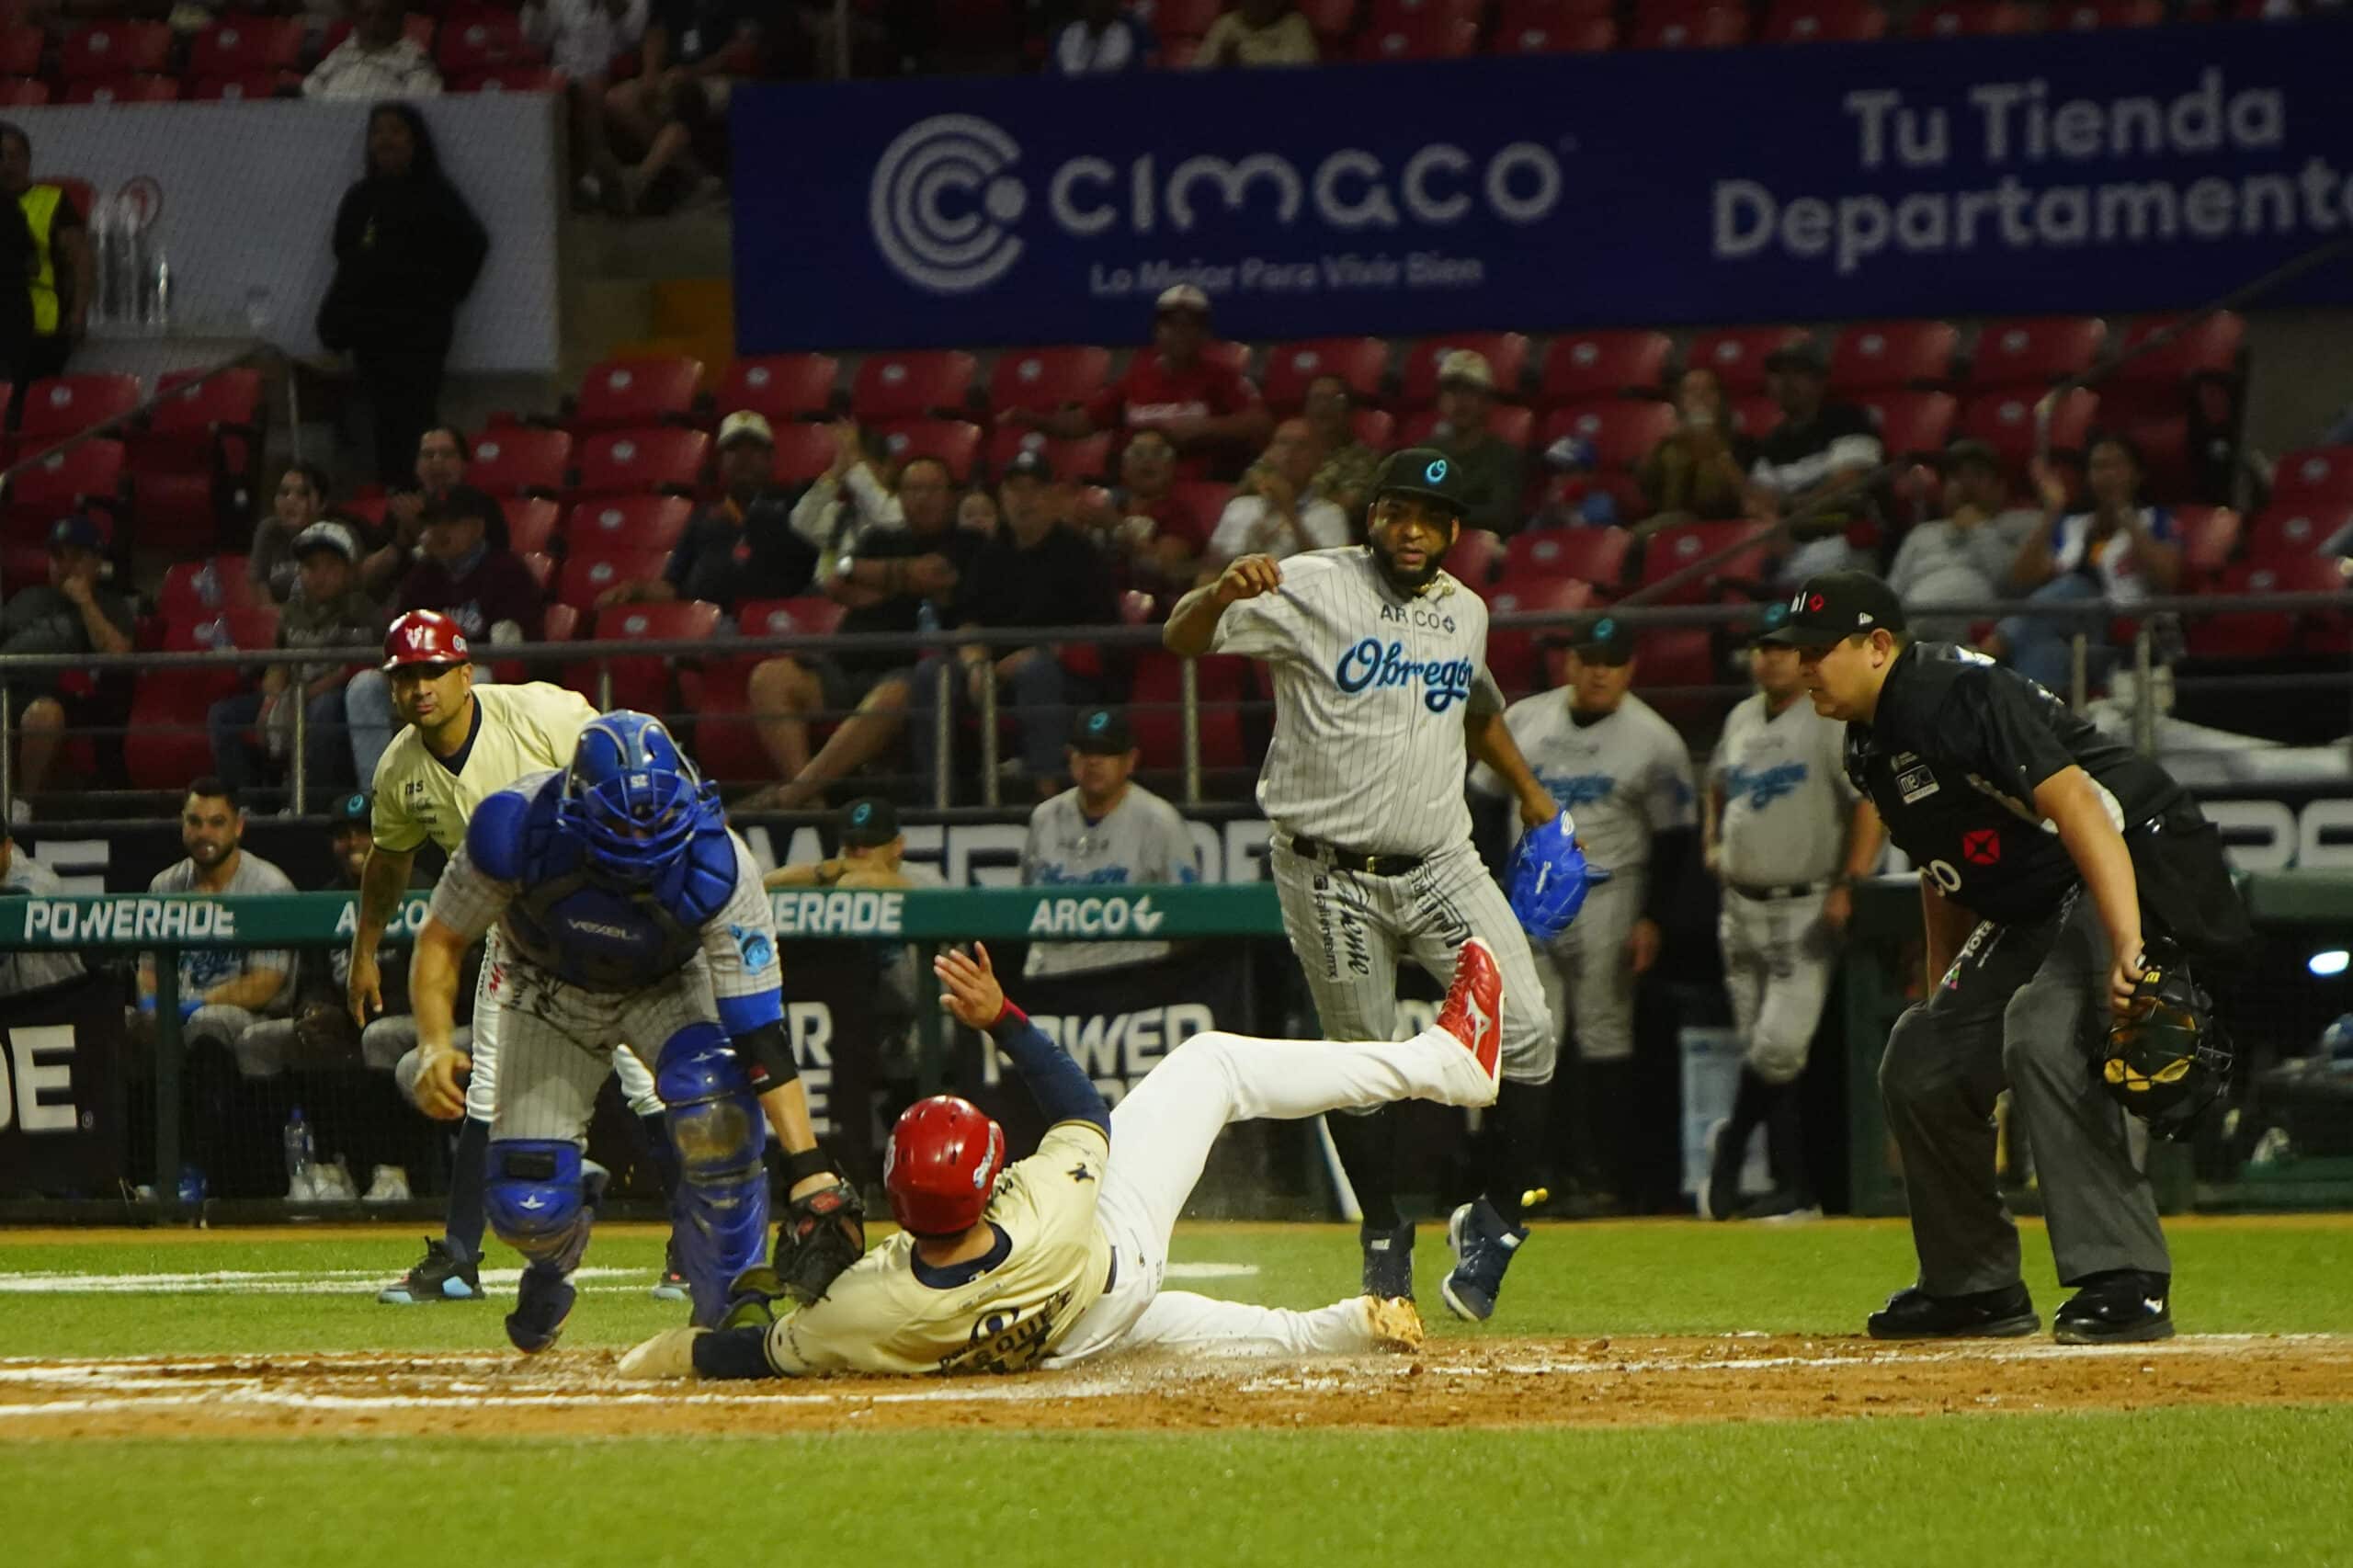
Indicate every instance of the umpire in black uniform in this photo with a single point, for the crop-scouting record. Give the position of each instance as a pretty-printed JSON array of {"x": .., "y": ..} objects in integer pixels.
[{"x": 2048, "y": 853}]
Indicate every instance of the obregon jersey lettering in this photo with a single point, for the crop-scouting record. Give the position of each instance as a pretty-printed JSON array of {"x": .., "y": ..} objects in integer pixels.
[
  {"x": 524, "y": 729},
  {"x": 878, "y": 1317},
  {"x": 1624, "y": 778},
  {"x": 1952, "y": 757},
  {"x": 1787, "y": 798},
  {"x": 1371, "y": 693}
]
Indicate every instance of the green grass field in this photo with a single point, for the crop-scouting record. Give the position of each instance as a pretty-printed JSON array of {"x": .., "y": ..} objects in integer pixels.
[{"x": 2192, "y": 1486}]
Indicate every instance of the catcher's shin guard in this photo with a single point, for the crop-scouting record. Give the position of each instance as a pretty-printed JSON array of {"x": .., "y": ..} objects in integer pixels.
[
  {"x": 535, "y": 1202},
  {"x": 720, "y": 1213}
]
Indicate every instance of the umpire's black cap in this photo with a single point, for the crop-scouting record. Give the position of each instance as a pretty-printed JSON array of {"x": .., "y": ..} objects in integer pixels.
[
  {"x": 1426, "y": 472},
  {"x": 1835, "y": 605}
]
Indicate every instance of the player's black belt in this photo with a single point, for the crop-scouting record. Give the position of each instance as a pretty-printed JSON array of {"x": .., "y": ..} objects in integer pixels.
[
  {"x": 1792, "y": 890},
  {"x": 1355, "y": 860}
]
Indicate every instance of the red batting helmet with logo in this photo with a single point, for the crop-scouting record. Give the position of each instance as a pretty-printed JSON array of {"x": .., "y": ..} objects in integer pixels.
[
  {"x": 424, "y": 637},
  {"x": 943, "y": 1161}
]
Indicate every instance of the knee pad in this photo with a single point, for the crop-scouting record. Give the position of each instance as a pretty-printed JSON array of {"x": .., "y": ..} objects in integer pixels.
[
  {"x": 720, "y": 1216},
  {"x": 535, "y": 1201}
]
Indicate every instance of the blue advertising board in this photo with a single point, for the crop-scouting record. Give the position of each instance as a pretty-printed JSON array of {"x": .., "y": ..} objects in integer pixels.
[{"x": 2065, "y": 172}]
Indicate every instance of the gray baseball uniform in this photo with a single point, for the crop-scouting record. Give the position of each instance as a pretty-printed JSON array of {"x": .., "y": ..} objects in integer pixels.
[
  {"x": 1141, "y": 839},
  {"x": 559, "y": 1039},
  {"x": 31, "y": 970},
  {"x": 201, "y": 969},
  {"x": 1787, "y": 809},
  {"x": 1370, "y": 693},
  {"x": 1624, "y": 778}
]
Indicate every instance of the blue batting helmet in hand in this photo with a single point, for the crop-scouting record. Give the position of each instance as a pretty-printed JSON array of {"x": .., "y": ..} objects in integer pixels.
[
  {"x": 1548, "y": 877},
  {"x": 632, "y": 796}
]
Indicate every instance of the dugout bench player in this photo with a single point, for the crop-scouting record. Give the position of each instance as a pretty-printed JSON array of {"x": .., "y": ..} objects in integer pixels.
[{"x": 2049, "y": 854}]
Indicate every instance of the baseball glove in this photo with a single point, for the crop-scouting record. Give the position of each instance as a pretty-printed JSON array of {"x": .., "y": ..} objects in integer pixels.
[
  {"x": 821, "y": 1233},
  {"x": 1548, "y": 879},
  {"x": 2167, "y": 1059}
]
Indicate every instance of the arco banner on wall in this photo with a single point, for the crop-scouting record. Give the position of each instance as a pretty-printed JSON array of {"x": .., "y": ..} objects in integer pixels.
[{"x": 2062, "y": 172}]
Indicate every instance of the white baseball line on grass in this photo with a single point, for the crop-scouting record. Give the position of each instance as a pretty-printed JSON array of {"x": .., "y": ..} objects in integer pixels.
[{"x": 340, "y": 1281}]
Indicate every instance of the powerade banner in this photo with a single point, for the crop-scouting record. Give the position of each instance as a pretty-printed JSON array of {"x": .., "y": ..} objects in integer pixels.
[
  {"x": 61, "y": 1090},
  {"x": 2004, "y": 175}
]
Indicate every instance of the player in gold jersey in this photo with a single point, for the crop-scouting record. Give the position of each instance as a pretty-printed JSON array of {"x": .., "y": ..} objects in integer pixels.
[{"x": 1059, "y": 1259}]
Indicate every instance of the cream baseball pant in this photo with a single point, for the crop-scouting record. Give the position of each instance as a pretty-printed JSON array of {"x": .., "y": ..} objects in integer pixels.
[
  {"x": 1588, "y": 978},
  {"x": 1778, "y": 954},
  {"x": 1161, "y": 1135}
]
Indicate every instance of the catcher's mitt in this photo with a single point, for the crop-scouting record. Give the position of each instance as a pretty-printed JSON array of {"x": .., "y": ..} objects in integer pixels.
[
  {"x": 821, "y": 1234},
  {"x": 2167, "y": 1059},
  {"x": 1548, "y": 879}
]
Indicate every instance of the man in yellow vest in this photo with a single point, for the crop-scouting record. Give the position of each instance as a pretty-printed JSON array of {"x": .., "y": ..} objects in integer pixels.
[{"x": 60, "y": 275}]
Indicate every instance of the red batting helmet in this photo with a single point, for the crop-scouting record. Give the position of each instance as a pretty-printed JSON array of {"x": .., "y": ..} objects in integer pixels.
[
  {"x": 943, "y": 1162},
  {"x": 424, "y": 637}
]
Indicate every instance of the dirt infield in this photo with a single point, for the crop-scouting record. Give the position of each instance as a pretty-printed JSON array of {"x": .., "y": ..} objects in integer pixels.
[{"x": 1597, "y": 1382}]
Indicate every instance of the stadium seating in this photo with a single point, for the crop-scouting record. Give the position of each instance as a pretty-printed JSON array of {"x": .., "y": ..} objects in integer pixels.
[
  {"x": 1507, "y": 422},
  {"x": 1911, "y": 423},
  {"x": 1709, "y": 27},
  {"x": 202, "y": 425},
  {"x": 198, "y": 590},
  {"x": 241, "y": 45},
  {"x": 89, "y": 475},
  {"x": 1513, "y": 652},
  {"x": 1043, "y": 379},
  {"x": 1506, "y": 352},
  {"x": 106, "y": 50},
  {"x": 531, "y": 523},
  {"x": 484, "y": 37},
  {"x": 1622, "y": 430},
  {"x": 2314, "y": 476},
  {"x": 1824, "y": 21},
  {"x": 2280, "y": 534},
  {"x": 2005, "y": 421},
  {"x": 1676, "y": 655},
  {"x": 803, "y": 451},
  {"x": 516, "y": 459},
  {"x": 780, "y": 386},
  {"x": 2088, "y": 15},
  {"x": 123, "y": 90},
  {"x": 1969, "y": 18},
  {"x": 1677, "y": 546},
  {"x": 2209, "y": 538},
  {"x": 1430, "y": 35},
  {"x": 643, "y": 683},
  {"x": 1737, "y": 353},
  {"x": 955, "y": 442},
  {"x": 725, "y": 743},
  {"x": 21, "y": 47},
  {"x": 2031, "y": 350},
  {"x": 1534, "y": 26},
  {"x": 23, "y": 92},
  {"x": 1156, "y": 716},
  {"x": 634, "y": 461},
  {"x": 913, "y": 385},
  {"x": 1361, "y": 362},
  {"x": 1604, "y": 364},
  {"x": 637, "y": 522},
  {"x": 1089, "y": 458},
  {"x": 67, "y": 405},
  {"x": 624, "y": 392},
  {"x": 589, "y": 571},
  {"x": 1474, "y": 560},
  {"x": 1590, "y": 555},
  {"x": 1886, "y": 356}
]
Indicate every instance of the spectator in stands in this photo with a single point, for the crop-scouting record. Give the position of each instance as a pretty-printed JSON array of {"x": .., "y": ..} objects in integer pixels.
[
  {"x": 1152, "y": 537},
  {"x": 300, "y": 501},
  {"x": 224, "y": 992},
  {"x": 672, "y": 116},
  {"x": 2119, "y": 552},
  {"x": 1344, "y": 465},
  {"x": 1699, "y": 470},
  {"x": 72, "y": 613},
  {"x": 1574, "y": 496},
  {"x": 407, "y": 250},
  {"x": 1105, "y": 830},
  {"x": 1257, "y": 32},
  {"x": 1036, "y": 572},
  {"x": 885, "y": 584},
  {"x": 328, "y": 609},
  {"x": 31, "y": 969},
  {"x": 1274, "y": 512},
  {"x": 1105, "y": 38},
  {"x": 1965, "y": 556},
  {"x": 583, "y": 38},
  {"x": 1206, "y": 407},
  {"x": 742, "y": 546},
  {"x": 1466, "y": 398},
  {"x": 61, "y": 269},
  {"x": 852, "y": 496},
  {"x": 442, "y": 455},
  {"x": 485, "y": 589},
  {"x": 377, "y": 60},
  {"x": 1818, "y": 450},
  {"x": 976, "y": 512}
]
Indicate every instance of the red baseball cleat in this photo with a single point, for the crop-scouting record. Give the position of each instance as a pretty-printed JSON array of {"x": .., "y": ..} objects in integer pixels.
[{"x": 1473, "y": 1009}]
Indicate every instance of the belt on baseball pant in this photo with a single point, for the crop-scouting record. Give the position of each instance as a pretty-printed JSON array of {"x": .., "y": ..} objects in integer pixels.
[
  {"x": 1788, "y": 890},
  {"x": 1356, "y": 860}
]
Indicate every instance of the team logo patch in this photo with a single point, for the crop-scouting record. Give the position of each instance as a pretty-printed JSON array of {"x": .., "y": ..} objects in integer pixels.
[
  {"x": 1917, "y": 785},
  {"x": 758, "y": 950},
  {"x": 1813, "y": 602},
  {"x": 1436, "y": 474},
  {"x": 861, "y": 813},
  {"x": 1097, "y": 722},
  {"x": 1982, "y": 846}
]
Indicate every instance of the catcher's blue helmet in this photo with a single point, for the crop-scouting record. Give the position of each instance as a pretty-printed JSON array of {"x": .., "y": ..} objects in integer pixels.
[
  {"x": 1548, "y": 879},
  {"x": 632, "y": 796}
]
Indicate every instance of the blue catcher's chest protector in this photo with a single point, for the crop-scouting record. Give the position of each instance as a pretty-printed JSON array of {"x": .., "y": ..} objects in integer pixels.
[{"x": 582, "y": 928}]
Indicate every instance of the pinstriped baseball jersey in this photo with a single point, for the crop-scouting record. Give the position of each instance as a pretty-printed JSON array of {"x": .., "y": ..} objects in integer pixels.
[
  {"x": 1141, "y": 839},
  {"x": 1787, "y": 798},
  {"x": 1370, "y": 691},
  {"x": 1625, "y": 776}
]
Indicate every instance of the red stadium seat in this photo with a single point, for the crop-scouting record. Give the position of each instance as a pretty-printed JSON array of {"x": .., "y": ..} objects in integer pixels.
[
  {"x": 2280, "y": 533},
  {"x": 2090, "y": 16},
  {"x": 726, "y": 744},
  {"x": 1874, "y": 356},
  {"x": 1202, "y": 499},
  {"x": 913, "y": 385},
  {"x": 1556, "y": 35},
  {"x": 1912, "y": 423},
  {"x": 589, "y": 572},
  {"x": 1754, "y": 413},
  {"x": 20, "y": 49},
  {"x": 1404, "y": 12},
  {"x": 2027, "y": 349},
  {"x": 415, "y": 26},
  {"x": 513, "y": 459},
  {"x": 1969, "y": 18},
  {"x": 482, "y": 38},
  {"x": 619, "y": 394},
  {"x": 644, "y": 683},
  {"x": 810, "y": 615},
  {"x": 628, "y": 522},
  {"x": 1676, "y": 655},
  {"x": 802, "y": 452},
  {"x": 1291, "y": 368},
  {"x": 542, "y": 566},
  {"x": 176, "y": 508},
  {"x": 167, "y": 742},
  {"x": 198, "y": 423},
  {"x": 1824, "y": 21},
  {"x": 2314, "y": 476},
  {"x": 1430, "y": 36},
  {"x": 200, "y": 590},
  {"x": 1179, "y": 19},
  {"x": 67, "y": 405},
  {"x": 2211, "y": 347},
  {"x": 955, "y": 442},
  {"x": 1605, "y": 364},
  {"x": 1475, "y": 558},
  {"x": 123, "y": 90},
  {"x": 251, "y": 88},
  {"x": 23, "y": 92},
  {"x": 531, "y": 523},
  {"x": 2247, "y": 634},
  {"x": 1506, "y": 352},
  {"x": 1088, "y": 458},
  {"x": 1590, "y": 555},
  {"x": 239, "y": 45},
  {"x": 1332, "y": 20},
  {"x": 780, "y": 386},
  {"x": 1375, "y": 428},
  {"x": 115, "y": 49},
  {"x": 1044, "y": 380},
  {"x": 1622, "y": 430},
  {"x": 1679, "y": 545},
  {"x": 1737, "y": 353},
  {"x": 1513, "y": 652},
  {"x": 632, "y": 462},
  {"x": 88, "y": 475},
  {"x": 1507, "y": 422},
  {"x": 2005, "y": 421},
  {"x": 1156, "y": 709},
  {"x": 2209, "y": 536},
  {"x": 516, "y": 77},
  {"x": 1714, "y": 26}
]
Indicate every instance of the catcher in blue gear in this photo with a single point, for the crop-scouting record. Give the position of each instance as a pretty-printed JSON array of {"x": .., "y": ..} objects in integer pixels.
[
  {"x": 628, "y": 911},
  {"x": 1548, "y": 879}
]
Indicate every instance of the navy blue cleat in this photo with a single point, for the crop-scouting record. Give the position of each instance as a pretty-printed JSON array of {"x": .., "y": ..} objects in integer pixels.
[
  {"x": 542, "y": 1303},
  {"x": 1482, "y": 1246},
  {"x": 440, "y": 1276},
  {"x": 1388, "y": 1261}
]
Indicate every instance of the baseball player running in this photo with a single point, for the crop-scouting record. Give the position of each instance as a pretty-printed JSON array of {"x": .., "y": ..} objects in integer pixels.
[
  {"x": 1789, "y": 837},
  {"x": 1380, "y": 683},
  {"x": 626, "y": 910},
  {"x": 1059, "y": 1259},
  {"x": 2048, "y": 854},
  {"x": 462, "y": 743},
  {"x": 1625, "y": 775}
]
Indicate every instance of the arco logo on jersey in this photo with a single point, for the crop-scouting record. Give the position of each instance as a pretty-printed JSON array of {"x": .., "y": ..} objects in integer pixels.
[{"x": 1371, "y": 663}]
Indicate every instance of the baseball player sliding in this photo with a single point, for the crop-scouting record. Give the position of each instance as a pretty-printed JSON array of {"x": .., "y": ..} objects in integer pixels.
[
  {"x": 1380, "y": 683},
  {"x": 1788, "y": 837},
  {"x": 1059, "y": 1259}
]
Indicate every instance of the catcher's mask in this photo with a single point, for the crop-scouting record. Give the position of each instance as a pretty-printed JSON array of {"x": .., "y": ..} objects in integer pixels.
[{"x": 2167, "y": 1060}]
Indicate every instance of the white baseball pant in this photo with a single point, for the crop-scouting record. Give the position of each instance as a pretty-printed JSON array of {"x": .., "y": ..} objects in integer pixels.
[
  {"x": 1588, "y": 978},
  {"x": 1779, "y": 953}
]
